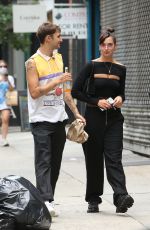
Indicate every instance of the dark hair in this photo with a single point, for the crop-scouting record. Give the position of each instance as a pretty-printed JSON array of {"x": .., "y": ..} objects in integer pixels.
[
  {"x": 108, "y": 32},
  {"x": 45, "y": 29},
  {"x": 2, "y": 60}
]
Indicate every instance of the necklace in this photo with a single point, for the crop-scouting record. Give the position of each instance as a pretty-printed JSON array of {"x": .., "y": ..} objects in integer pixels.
[{"x": 108, "y": 68}]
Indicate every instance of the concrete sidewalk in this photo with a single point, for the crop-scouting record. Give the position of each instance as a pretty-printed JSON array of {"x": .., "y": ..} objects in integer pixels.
[{"x": 18, "y": 159}]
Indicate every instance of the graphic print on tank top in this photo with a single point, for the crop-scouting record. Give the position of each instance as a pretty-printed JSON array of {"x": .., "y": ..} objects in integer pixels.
[{"x": 54, "y": 97}]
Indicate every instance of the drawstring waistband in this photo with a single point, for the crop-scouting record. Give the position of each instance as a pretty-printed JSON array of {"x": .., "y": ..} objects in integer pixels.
[{"x": 103, "y": 111}]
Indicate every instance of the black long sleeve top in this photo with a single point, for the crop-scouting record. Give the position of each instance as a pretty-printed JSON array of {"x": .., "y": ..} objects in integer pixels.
[{"x": 103, "y": 87}]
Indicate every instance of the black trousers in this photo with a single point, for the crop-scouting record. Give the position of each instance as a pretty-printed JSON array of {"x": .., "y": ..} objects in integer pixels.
[
  {"x": 105, "y": 129},
  {"x": 49, "y": 141}
]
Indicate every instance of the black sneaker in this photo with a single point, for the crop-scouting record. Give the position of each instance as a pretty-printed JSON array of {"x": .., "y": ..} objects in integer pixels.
[
  {"x": 93, "y": 207},
  {"x": 123, "y": 203}
]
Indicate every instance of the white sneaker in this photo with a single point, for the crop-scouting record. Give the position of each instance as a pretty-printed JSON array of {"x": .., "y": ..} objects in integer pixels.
[
  {"x": 50, "y": 207},
  {"x": 4, "y": 143}
]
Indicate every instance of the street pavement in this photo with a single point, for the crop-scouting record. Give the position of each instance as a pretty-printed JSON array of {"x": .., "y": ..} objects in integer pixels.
[{"x": 18, "y": 159}]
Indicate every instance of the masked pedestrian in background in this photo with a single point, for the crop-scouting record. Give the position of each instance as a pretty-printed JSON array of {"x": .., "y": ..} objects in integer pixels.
[{"x": 6, "y": 83}]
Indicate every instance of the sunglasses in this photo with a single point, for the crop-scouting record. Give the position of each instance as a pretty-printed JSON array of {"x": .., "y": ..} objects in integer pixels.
[{"x": 3, "y": 66}]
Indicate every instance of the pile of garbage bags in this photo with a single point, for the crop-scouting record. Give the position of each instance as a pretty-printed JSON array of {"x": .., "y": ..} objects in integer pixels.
[{"x": 21, "y": 206}]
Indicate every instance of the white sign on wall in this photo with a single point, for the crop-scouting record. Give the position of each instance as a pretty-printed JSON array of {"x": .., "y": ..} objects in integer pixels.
[
  {"x": 72, "y": 21},
  {"x": 27, "y": 18},
  {"x": 48, "y": 3}
]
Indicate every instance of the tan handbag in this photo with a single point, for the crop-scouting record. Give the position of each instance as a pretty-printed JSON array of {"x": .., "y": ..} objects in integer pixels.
[
  {"x": 76, "y": 132},
  {"x": 12, "y": 98}
]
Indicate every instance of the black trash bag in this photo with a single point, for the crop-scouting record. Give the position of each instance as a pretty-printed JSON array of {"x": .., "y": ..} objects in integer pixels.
[
  {"x": 7, "y": 223},
  {"x": 19, "y": 199}
]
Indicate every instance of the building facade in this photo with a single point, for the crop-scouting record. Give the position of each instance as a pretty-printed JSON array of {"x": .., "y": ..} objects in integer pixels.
[{"x": 131, "y": 21}]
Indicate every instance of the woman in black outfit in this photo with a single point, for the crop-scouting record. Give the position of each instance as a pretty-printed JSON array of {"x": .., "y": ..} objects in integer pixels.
[{"x": 104, "y": 124}]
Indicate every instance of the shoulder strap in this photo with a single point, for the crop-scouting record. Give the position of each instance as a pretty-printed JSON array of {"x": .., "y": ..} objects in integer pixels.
[
  {"x": 91, "y": 88},
  {"x": 92, "y": 70},
  {"x": 89, "y": 80}
]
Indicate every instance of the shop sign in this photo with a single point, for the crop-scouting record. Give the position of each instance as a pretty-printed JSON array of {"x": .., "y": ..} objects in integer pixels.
[
  {"x": 27, "y": 18},
  {"x": 72, "y": 21}
]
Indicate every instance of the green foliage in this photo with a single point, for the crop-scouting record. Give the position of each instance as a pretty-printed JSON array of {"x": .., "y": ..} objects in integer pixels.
[{"x": 16, "y": 40}]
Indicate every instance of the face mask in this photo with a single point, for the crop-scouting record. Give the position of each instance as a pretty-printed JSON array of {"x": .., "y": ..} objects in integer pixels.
[{"x": 3, "y": 71}]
